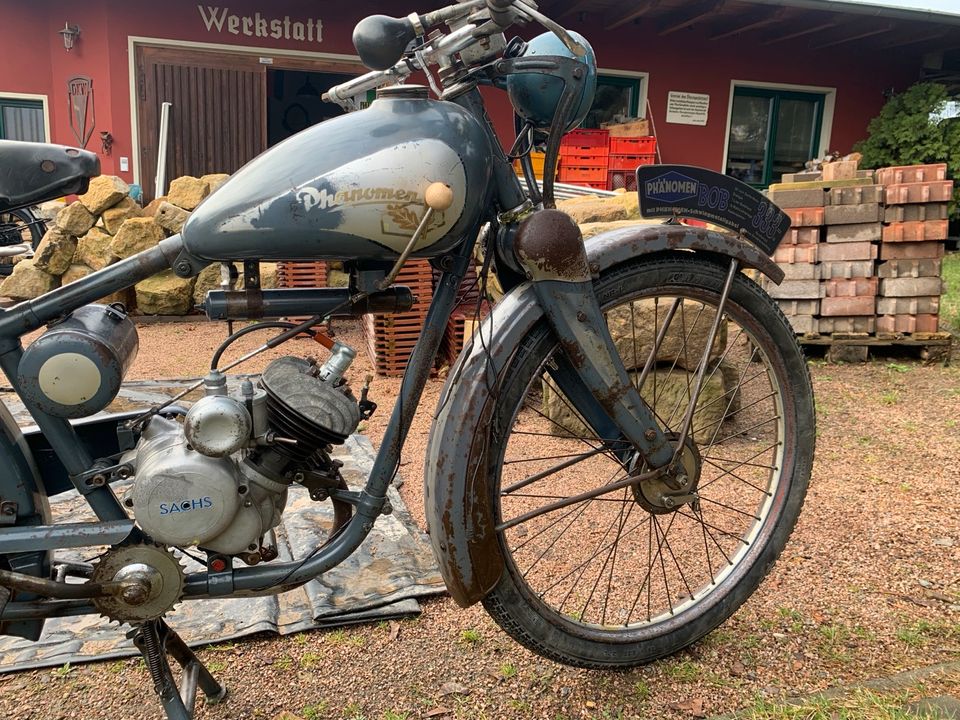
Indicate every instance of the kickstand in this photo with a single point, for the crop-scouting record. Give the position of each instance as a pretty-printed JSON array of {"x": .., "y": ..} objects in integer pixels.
[{"x": 154, "y": 639}]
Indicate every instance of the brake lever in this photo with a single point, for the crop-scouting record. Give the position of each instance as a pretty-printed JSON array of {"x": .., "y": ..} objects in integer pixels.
[{"x": 554, "y": 27}]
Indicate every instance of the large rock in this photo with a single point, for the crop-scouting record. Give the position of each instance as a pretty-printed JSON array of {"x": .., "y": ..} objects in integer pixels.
[
  {"x": 75, "y": 219},
  {"x": 634, "y": 328},
  {"x": 55, "y": 251},
  {"x": 209, "y": 279},
  {"x": 187, "y": 192},
  {"x": 104, "y": 192},
  {"x": 588, "y": 230},
  {"x": 672, "y": 387},
  {"x": 165, "y": 294},
  {"x": 215, "y": 180},
  {"x": 79, "y": 271},
  {"x": 93, "y": 249},
  {"x": 268, "y": 275},
  {"x": 27, "y": 282},
  {"x": 170, "y": 217},
  {"x": 150, "y": 209},
  {"x": 136, "y": 234},
  {"x": 113, "y": 218},
  {"x": 592, "y": 208}
]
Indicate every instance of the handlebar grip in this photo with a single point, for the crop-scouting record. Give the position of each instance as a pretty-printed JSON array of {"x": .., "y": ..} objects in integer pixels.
[{"x": 380, "y": 40}]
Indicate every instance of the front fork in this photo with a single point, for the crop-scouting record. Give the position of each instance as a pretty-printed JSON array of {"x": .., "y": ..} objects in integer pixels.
[{"x": 591, "y": 373}]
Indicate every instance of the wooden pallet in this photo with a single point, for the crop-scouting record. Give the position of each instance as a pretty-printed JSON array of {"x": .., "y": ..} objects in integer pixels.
[
  {"x": 857, "y": 347},
  {"x": 301, "y": 274}
]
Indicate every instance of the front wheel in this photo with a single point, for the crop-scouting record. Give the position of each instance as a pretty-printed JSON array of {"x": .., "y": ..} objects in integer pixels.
[{"x": 621, "y": 579}]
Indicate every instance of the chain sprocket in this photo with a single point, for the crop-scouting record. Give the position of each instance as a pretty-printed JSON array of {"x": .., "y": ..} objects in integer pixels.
[{"x": 162, "y": 581}]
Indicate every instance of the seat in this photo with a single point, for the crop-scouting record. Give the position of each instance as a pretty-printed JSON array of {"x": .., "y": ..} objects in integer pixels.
[{"x": 32, "y": 173}]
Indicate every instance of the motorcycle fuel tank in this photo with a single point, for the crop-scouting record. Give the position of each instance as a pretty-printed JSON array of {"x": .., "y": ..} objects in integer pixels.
[{"x": 352, "y": 187}]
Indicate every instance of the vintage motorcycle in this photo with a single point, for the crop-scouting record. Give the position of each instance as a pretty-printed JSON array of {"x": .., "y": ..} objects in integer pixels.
[{"x": 619, "y": 453}]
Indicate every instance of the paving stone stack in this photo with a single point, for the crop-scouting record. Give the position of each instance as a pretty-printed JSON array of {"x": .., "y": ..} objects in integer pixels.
[
  {"x": 863, "y": 252},
  {"x": 911, "y": 247}
]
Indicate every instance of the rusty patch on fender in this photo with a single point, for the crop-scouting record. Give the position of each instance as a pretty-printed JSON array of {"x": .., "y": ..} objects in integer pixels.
[{"x": 550, "y": 247}]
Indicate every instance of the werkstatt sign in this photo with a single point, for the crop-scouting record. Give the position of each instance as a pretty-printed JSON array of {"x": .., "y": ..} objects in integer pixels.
[
  {"x": 220, "y": 20},
  {"x": 686, "y": 108}
]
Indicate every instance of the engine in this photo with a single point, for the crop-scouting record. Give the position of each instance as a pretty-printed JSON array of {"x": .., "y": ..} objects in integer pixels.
[{"x": 219, "y": 479}]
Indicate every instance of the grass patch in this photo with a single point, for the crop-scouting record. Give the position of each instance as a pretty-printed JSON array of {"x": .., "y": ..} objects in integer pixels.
[
  {"x": 470, "y": 637},
  {"x": 859, "y": 705},
  {"x": 950, "y": 301}
]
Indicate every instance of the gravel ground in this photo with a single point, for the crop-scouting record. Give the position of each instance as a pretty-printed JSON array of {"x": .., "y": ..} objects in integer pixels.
[{"x": 869, "y": 585}]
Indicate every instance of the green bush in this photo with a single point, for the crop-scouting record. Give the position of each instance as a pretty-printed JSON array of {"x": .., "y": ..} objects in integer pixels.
[{"x": 904, "y": 134}]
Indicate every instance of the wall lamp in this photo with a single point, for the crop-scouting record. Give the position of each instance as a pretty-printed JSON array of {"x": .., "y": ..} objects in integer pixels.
[
  {"x": 106, "y": 140},
  {"x": 70, "y": 33}
]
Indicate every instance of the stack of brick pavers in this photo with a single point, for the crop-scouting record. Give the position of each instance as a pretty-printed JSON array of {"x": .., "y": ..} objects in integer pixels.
[
  {"x": 301, "y": 274},
  {"x": 391, "y": 338},
  {"x": 863, "y": 253}
]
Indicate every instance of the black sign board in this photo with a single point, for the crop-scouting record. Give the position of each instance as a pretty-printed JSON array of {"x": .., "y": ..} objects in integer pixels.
[{"x": 693, "y": 192}]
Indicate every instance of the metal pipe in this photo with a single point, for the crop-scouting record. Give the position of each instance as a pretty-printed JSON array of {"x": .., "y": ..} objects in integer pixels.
[
  {"x": 160, "y": 180},
  {"x": 64, "y": 591},
  {"x": 249, "y": 304},
  {"x": 26, "y": 538}
]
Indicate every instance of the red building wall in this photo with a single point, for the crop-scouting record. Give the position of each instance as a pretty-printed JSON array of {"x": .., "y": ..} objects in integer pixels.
[{"x": 34, "y": 61}]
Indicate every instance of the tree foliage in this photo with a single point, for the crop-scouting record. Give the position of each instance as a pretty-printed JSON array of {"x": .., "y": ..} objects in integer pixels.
[{"x": 906, "y": 132}]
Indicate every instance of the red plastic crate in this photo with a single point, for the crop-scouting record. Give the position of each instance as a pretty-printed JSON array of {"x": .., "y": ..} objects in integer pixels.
[
  {"x": 641, "y": 145},
  {"x": 580, "y": 159},
  {"x": 586, "y": 139},
  {"x": 631, "y": 162},
  {"x": 577, "y": 174},
  {"x": 625, "y": 179}
]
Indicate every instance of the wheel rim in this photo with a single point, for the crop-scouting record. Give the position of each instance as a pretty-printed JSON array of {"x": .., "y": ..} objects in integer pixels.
[{"x": 609, "y": 568}]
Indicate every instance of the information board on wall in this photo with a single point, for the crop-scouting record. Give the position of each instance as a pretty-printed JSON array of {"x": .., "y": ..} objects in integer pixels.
[{"x": 685, "y": 108}]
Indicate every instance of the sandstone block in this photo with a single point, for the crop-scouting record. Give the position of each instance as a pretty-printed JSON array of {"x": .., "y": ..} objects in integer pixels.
[
  {"x": 27, "y": 282},
  {"x": 93, "y": 249},
  {"x": 113, "y": 217},
  {"x": 165, "y": 294},
  {"x": 75, "y": 272},
  {"x": 215, "y": 180},
  {"x": 55, "y": 251},
  {"x": 209, "y": 279},
  {"x": 150, "y": 209},
  {"x": 187, "y": 192},
  {"x": 136, "y": 234},
  {"x": 75, "y": 219},
  {"x": 170, "y": 217},
  {"x": 104, "y": 192}
]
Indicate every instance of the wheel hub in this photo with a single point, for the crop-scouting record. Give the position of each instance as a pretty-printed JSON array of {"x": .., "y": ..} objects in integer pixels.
[{"x": 668, "y": 493}]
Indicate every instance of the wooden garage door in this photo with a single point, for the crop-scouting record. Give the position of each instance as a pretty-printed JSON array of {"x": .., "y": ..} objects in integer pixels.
[{"x": 218, "y": 118}]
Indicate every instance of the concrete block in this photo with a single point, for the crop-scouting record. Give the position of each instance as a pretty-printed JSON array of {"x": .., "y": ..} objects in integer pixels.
[
  {"x": 855, "y": 195},
  {"x": 796, "y": 253},
  {"x": 803, "y": 324},
  {"x": 854, "y": 287},
  {"x": 923, "y": 192},
  {"x": 800, "y": 271},
  {"x": 833, "y": 252},
  {"x": 814, "y": 197},
  {"x": 900, "y": 174},
  {"x": 861, "y": 324},
  {"x": 802, "y": 236},
  {"x": 846, "y": 306},
  {"x": 846, "y": 269},
  {"x": 801, "y": 177},
  {"x": 857, "y": 232},
  {"x": 910, "y": 287},
  {"x": 916, "y": 213},
  {"x": 849, "y": 214},
  {"x": 824, "y": 184},
  {"x": 908, "y": 305},
  {"x": 840, "y": 170},
  {"x": 797, "y": 289},
  {"x": 911, "y": 251},
  {"x": 909, "y": 268},
  {"x": 805, "y": 217},
  {"x": 920, "y": 231},
  {"x": 799, "y": 307},
  {"x": 907, "y": 323}
]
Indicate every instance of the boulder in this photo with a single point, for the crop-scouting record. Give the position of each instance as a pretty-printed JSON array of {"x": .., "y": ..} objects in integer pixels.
[
  {"x": 75, "y": 219},
  {"x": 78, "y": 271},
  {"x": 208, "y": 279},
  {"x": 187, "y": 192},
  {"x": 150, "y": 209},
  {"x": 268, "y": 275},
  {"x": 671, "y": 399},
  {"x": 590, "y": 229},
  {"x": 338, "y": 279},
  {"x": 55, "y": 251},
  {"x": 27, "y": 282},
  {"x": 634, "y": 328},
  {"x": 165, "y": 294},
  {"x": 592, "y": 208},
  {"x": 170, "y": 217},
  {"x": 136, "y": 234},
  {"x": 104, "y": 192},
  {"x": 93, "y": 249},
  {"x": 112, "y": 218},
  {"x": 215, "y": 180}
]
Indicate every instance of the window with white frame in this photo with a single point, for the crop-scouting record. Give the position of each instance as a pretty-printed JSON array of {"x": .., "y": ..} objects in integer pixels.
[{"x": 22, "y": 119}]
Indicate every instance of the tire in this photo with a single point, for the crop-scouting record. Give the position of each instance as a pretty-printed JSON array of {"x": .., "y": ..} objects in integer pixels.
[
  {"x": 20, "y": 226},
  {"x": 620, "y": 580}
]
